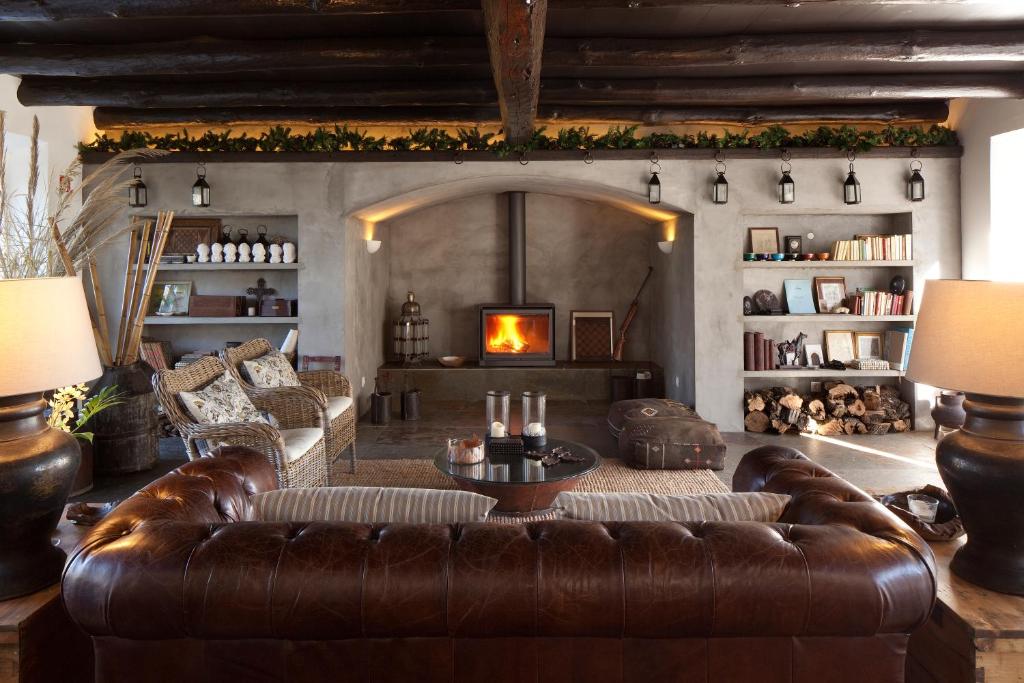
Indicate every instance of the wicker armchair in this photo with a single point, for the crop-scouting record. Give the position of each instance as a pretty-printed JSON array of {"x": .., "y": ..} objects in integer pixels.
[
  {"x": 297, "y": 450},
  {"x": 334, "y": 387}
]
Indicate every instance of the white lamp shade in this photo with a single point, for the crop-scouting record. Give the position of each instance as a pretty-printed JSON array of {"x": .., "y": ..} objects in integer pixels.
[
  {"x": 373, "y": 246},
  {"x": 969, "y": 336},
  {"x": 46, "y": 338},
  {"x": 666, "y": 246}
]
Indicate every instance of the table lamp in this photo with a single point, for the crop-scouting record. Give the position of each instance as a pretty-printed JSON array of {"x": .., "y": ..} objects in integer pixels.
[
  {"x": 46, "y": 342},
  {"x": 970, "y": 337}
]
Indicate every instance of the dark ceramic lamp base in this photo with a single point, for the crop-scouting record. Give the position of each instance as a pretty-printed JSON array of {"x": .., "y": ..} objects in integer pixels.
[
  {"x": 982, "y": 465},
  {"x": 37, "y": 468}
]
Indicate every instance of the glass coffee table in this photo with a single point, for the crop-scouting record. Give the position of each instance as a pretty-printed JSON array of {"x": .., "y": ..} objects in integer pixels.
[{"x": 521, "y": 485}]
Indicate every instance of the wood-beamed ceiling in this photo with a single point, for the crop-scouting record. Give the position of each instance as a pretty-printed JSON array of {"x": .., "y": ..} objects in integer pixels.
[{"x": 163, "y": 63}]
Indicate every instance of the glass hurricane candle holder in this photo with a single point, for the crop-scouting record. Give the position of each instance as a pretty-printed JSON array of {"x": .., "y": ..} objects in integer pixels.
[
  {"x": 534, "y": 422},
  {"x": 498, "y": 409}
]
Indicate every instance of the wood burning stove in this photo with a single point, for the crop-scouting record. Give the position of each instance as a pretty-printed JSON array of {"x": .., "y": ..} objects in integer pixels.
[{"x": 517, "y": 334}]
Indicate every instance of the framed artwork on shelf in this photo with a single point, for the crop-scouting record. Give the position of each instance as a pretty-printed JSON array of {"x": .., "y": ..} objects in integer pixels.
[
  {"x": 839, "y": 345},
  {"x": 764, "y": 240},
  {"x": 187, "y": 233},
  {"x": 174, "y": 298},
  {"x": 869, "y": 345},
  {"x": 593, "y": 335},
  {"x": 799, "y": 300},
  {"x": 830, "y": 293},
  {"x": 794, "y": 244},
  {"x": 815, "y": 356}
]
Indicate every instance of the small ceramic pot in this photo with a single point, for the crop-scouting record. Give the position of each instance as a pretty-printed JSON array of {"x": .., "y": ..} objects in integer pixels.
[
  {"x": 750, "y": 256},
  {"x": 778, "y": 257},
  {"x": 809, "y": 257},
  {"x": 824, "y": 256}
]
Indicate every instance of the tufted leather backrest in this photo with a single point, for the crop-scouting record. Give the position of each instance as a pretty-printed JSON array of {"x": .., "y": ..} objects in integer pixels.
[{"x": 180, "y": 560}]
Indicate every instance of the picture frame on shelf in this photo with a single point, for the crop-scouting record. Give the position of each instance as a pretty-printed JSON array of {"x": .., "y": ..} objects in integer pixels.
[
  {"x": 799, "y": 300},
  {"x": 174, "y": 298},
  {"x": 593, "y": 335},
  {"x": 840, "y": 346},
  {"x": 869, "y": 345},
  {"x": 764, "y": 240},
  {"x": 815, "y": 357},
  {"x": 830, "y": 292},
  {"x": 794, "y": 244},
  {"x": 188, "y": 232}
]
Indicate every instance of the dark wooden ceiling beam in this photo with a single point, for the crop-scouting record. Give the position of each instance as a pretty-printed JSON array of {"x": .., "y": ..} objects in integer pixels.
[
  {"x": 107, "y": 118},
  {"x": 515, "y": 39},
  {"x": 43, "y": 91},
  {"x": 929, "y": 111},
  {"x": 781, "y": 90},
  {"x": 212, "y": 56},
  {"x": 861, "y": 48}
]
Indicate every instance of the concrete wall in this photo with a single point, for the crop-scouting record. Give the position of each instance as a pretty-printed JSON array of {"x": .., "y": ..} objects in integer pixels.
[
  {"x": 328, "y": 197},
  {"x": 581, "y": 255},
  {"x": 976, "y": 121},
  {"x": 673, "y": 323}
]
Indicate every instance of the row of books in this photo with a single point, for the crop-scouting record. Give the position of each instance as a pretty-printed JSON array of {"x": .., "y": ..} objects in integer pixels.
[
  {"x": 874, "y": 302},
  {"x": 758, "y": 352},
  {"x": 874, "y": 248},
  {"x": 897, "y": 347},
  {"x": 188, "y": 359}
]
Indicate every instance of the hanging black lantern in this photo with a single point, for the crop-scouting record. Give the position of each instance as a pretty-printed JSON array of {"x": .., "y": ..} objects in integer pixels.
[
  {"x": 787, "y": 188},
  {"x": 851, "y": 188},
  {"x": 654, "y": 185},
  {"x": 720, "y": 188},
  {"x": 915, "y": 184},
  {"x": 137, "y": 189},
  {"x": 201, "y": 189}
]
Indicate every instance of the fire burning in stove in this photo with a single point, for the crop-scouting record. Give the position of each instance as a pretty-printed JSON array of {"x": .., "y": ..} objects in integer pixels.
[{"x": 518, "y": 334}]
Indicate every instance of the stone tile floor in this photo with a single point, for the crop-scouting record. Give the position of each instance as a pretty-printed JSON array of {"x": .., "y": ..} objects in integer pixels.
[{"x": 875, "y": 463}]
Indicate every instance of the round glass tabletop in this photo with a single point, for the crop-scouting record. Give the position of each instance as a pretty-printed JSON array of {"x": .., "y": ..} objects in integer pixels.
[{"x": 521, "y": 469}]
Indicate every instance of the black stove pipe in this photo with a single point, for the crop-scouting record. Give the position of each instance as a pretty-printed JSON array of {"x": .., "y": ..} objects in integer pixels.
[{"x": 517, "y": 248}]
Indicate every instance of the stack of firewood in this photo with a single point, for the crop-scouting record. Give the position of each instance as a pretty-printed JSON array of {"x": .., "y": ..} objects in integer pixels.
[{"x": 839, "y": 409}]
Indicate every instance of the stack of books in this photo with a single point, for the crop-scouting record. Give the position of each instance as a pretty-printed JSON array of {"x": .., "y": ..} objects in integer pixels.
[
  {"x": 897, "y": 347},
  {"x": 874, "y": 248},
  {"x": 874, "y": 302},
  {"x": 188, "y": 359},
  {"x": 869, "y": 364}
]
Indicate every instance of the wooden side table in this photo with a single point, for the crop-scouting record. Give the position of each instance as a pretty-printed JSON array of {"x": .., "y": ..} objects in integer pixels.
[
  {"x": 38, "y": 641},
  {"x": 974, "y": 635}
]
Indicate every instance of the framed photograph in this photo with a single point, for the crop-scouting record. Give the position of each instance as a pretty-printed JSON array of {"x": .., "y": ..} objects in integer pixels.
[
  {"x": 188, "y": 233},
  {"x": 794, "y": 244},
  {"x": 799, "y": 300},
  {"x": 830, "y": 292},
  {"x": 174, "y": 297},
  {"x": 815, "y": 356},
  {"x": 839, "y": 345},
  {"x": 764, "y": 240},
  {"x": 593, "y": 335},
  {"x": 869, "y": 345}
]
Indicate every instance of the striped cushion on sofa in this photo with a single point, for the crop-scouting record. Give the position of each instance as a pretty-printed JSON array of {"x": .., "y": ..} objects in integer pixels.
[
  {"x": 371, "y": 505},
  {"x": 649, "y": 507}
]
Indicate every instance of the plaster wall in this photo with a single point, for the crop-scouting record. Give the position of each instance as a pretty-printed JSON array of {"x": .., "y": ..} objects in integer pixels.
[{"x": 327, "y": 196}]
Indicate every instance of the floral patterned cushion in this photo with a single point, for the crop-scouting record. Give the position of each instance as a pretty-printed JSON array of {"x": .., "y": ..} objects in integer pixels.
[
  {"x": 223, "y": 400},
  {"x": 270, "y": 371}
]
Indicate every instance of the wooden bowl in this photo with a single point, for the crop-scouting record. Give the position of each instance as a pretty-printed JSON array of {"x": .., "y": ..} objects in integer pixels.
[{"x": 452, "y": 361}]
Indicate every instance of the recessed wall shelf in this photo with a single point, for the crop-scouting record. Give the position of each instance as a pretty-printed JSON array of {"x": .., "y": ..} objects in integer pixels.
[
  {"x": 238, "y": 320},
  {"x": 814, "y": 265},
  {"x": 827, "y": 318},
  {"x": 832, "y": 374},
  {"x": 226, "y": 266}
]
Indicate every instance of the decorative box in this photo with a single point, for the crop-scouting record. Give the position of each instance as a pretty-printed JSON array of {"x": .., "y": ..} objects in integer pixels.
[
  {"x": 278, "y": 308},
  {"x": 215, "y": 306},
  {"x": 505, "y": 446}
]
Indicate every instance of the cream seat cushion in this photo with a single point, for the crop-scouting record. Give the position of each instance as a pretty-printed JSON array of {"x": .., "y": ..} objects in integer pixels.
[
  {"x": 336, "y": 405},
  {"x": 297, "y": 442}
]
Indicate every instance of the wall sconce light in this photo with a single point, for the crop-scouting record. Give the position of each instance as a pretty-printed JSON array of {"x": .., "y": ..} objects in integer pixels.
[
  {"x": 137, "y": 189},
  {"x": 851, "y": 188},
  {"x": 787, "y": 188},
  {"x": 654, "y": 185},
  {"x": 201, "y": 189},
  {"x": 720, "y": 188},
  {"x": 373, "y": 246},
  {"x": 915, "y": 185},
  {"x": 666, "y": 246}
]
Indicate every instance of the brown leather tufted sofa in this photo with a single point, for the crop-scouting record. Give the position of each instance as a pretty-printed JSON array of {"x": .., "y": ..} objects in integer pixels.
[{"x": 178, "y": 585}]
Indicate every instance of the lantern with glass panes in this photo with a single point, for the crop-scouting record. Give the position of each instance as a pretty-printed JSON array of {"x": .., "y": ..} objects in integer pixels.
[
  {"x": 137, "y": 195},
  {"x": 654, "y": 185},
  {"x": 915, "y": 184},
  {"x": 787, "y": 188},
  {"x": 411, "y": 333},
  {"x": 201, "y": 188},
  {"x": 851, "y": 188},
  {"x": 720, "y": 188}
]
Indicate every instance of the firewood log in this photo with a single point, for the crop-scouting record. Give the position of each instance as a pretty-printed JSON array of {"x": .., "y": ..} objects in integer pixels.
[
  {"x": 756, "y": 422},
  {"x": 872, "y": 400},
  {"x": 841, "y": 392},
  {"x": 900, "y": 426},
  {"x": 792, "y": 402},
  {"x": 835, "y": 408},
  {"x": 789, "y": 415},
  {"x": 873, "y": 417},
  {"x": 807, "y": 424},
  {"x": 856, "y": 408},
  {"x": 830, "y": 428},
  {"x": 878, "y": 429},
  {"x": 816, "y": 409},
  {"x": 754, "y": 402},
  {"x": 780, "y": 426}
]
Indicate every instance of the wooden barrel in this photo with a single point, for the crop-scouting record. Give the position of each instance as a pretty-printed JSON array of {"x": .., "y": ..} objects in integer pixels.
[{"x": 126, "y": 436}]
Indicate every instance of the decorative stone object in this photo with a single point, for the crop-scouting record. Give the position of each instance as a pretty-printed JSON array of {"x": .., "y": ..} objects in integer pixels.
[
  {"x": 275, "y": 253},
  {"x": 217, "y": 251},
  {"x": 244, "y": 253},
  {"x": 230, "y": 253},
  {"x": 259, "y": 253},
  {"x": 288, "y": 252},
  {"x": 203, "y": 250}
]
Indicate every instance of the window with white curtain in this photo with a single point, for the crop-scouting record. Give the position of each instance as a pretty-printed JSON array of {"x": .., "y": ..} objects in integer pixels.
[{"x": 1006, "y": 235}]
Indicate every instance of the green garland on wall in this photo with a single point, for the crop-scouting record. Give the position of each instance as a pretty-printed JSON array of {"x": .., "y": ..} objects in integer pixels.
[{"x": 343, "y": 138}]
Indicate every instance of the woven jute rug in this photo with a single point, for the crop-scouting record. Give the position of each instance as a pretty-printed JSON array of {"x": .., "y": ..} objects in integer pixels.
[{"x": 611, "y": 477}]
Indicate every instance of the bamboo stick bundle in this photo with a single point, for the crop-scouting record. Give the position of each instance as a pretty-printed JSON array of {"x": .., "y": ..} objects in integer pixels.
[
  {"x": 133, "y": 248},
  {"x": 163, "y": 229},
  {"x": 136, "y": 276},
  {"x": 101, "y": 313}
]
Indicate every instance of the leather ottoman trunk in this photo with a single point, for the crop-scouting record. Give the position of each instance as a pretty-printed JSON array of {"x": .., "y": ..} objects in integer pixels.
[{"x": 659, "y": 434}]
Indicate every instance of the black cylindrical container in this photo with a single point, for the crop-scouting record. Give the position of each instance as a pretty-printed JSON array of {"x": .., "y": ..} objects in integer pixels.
[
  {"x": 411, "y": 404},
  {"x": 380, "y": 408}
]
